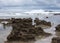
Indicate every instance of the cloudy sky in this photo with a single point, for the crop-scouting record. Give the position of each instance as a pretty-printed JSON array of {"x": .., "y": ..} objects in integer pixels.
[{"x": 29, "y": 4}]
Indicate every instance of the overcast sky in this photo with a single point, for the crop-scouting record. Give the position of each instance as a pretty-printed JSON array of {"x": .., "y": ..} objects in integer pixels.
[{"x": 29, "y": 4}]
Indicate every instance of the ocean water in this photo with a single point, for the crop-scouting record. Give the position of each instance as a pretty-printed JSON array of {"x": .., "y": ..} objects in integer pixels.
[{"x": 54, "y": 19}]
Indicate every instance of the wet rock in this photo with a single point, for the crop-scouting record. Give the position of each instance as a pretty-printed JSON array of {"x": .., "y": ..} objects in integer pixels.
[
  {"x": 42, "y": 22},
  {"x": 36, "y": 20},
  {"x": 57, "y": 14},
  {"x": 56, "y": 40},
  {"x": 28, "y": 37},
  {"x": 39, "y": 31},
  {"x": 23, "y": 30},
  {"x": 58, "y": 27},
  {"x": 58, "y": 33},
  {"x": 46, "y": 17}
]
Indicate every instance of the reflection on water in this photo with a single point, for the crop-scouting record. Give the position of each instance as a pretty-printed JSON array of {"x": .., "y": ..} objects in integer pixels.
[
  {"x": 4, "y": 26},
  {"x": 5, "y": 30}
]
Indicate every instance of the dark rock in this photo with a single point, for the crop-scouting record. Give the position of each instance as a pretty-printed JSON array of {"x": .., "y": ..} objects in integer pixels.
[
  {"x": 39, "y": 31},
  {"x": 42, "y": 22},
  {"x": 57, "y": 14},
  {"x": 23, "y": 30},
  {"x": 56, "y": 40},
  {"x": 46, "y": 17},
  {"x": 58, "y": 27},
  {"x": 36, "y": 20}
]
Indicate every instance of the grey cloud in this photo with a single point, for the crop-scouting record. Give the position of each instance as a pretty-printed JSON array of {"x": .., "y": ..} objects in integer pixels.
[{"x": 29, "y": 4}]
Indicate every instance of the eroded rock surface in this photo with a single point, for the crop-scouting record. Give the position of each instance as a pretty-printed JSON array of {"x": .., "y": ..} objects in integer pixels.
[
  {"x": 56, "y": 40},
  {"x": 58, "y": 27},
  {"x": 42, "y": 22},
  {"x": 23, "y": 30}
]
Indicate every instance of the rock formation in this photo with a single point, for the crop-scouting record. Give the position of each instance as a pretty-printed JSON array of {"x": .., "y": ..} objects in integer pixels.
[
  {"x": 23, "y": 30},
  {"x": 56, "y": 40},
  {"x": 42, "y": 22},
  {"x": 57, "y": 14},
  {"x": 58, "y": 27}
]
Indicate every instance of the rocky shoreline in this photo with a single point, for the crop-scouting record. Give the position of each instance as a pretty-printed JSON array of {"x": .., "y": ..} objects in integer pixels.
[
  {"x": 56, "y": 39},
  {"x": 23, "y": 30}
]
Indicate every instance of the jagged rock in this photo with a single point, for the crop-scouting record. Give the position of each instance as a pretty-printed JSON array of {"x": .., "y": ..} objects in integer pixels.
[
  {"x": 21, "y": 20},
  {"x": 56, "y": 40},
  {"x": 42, "y": 22},
  {"x": 58, "y": 27},
  {"x": 23, "y": 30},
  {"x": 47, "y": 17},
  {"x": 57, "y": 14},
  {"x": 36, "y": 20},
  {"x": 39, "y": 31}
]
